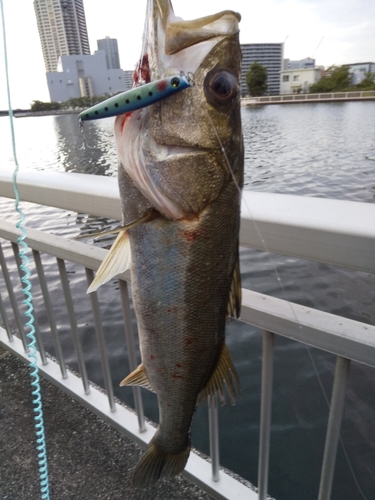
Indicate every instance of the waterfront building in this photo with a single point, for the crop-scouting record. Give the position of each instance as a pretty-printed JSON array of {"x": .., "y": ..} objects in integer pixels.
[
  {"x": 301, "y": 64},
  {"x": 298, "y": 81},
  {"x": 269, "y": 55},
  {"x": 84, "y": 76},
  {"x": 110, "y": 47},
  {"x": 358, "y": 71},
  {"x": 62, "y": 29},
  {"x": 128, "y": 78}
]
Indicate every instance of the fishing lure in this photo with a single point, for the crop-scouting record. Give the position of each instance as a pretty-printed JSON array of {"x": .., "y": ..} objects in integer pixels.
[{"x": 138, "y": 97}]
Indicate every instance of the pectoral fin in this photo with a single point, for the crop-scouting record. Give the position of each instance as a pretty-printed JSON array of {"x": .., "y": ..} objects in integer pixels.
[
  {"x": 117, "y": 261},
  {"x": 224, "y": 372},
  {"x": 137, "y": 377},
  {"x": 235, "y": 294}
]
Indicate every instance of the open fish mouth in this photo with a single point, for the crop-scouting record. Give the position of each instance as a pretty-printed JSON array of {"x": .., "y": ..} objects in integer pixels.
[{"x": 163, "y": 152}]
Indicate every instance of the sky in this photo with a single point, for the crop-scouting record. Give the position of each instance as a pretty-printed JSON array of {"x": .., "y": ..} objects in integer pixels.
[{"x": 332, "y": 31}]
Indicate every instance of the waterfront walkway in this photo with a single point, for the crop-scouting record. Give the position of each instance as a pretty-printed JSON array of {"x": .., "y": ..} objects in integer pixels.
[
  {"x": 87, "y": 458},
  {"x": 364, "y": 95}
]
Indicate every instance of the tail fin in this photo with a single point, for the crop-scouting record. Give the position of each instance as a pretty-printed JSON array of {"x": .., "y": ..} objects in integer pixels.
[{"x": 155, "y": 464}]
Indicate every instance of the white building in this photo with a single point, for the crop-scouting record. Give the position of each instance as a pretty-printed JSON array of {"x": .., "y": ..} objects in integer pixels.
[
  {"x": 298, "y": 81},
  {"x": 301, "y": 64},
  {"x": 358, "y": 71},
  {"x": 84, "y": 76},
  {"x": 62, "y": 29}
]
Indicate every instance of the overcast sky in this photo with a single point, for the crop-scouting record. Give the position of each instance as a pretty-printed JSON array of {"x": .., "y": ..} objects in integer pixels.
[{"x": 348, "y": 28}]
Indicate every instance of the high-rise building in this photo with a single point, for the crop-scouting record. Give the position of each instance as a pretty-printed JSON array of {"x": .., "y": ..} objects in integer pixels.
[
  {"x": 62, "y": 29},
  {"x": 110, "y": 47},
  {"x": 269, "y": 55}
]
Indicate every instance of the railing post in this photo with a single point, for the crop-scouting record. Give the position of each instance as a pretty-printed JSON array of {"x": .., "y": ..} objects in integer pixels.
[
  {"x": 3, "y": 315},
  {"x": 73, "y": 324},
  {"x": 265, "y": 413},
  {"x": 48, "y": 308},
  {"x": 132, "y": 357},
  {"x": 101, "y": 342},
  {"x": 213, "y": 422},
  {"x": 13, "y": 300},
  {"x": 333, "y": 428}
]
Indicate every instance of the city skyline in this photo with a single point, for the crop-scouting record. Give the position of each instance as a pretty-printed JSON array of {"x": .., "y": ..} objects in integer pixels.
[
  {"x": 334, "y": 33},
  {"x": 62, "y": 30}
]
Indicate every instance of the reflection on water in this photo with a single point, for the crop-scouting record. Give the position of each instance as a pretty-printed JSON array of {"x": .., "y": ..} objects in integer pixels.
[
  {"x": 99, "y": 159},
  {"x": 308, "y": 149}
]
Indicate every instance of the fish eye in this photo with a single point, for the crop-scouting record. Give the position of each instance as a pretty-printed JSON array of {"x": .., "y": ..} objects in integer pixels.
[
  {"x": 175, "y": 82},
  {"x": 220, "y": 87}
]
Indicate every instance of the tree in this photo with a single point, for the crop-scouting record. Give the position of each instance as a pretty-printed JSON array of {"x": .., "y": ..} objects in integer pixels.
[
  {"x": 44, "y": 106},
  {"x": 256, "y": 79},
  {"x": 336, "y": 79},
  {"x": 368, "y": 83}
]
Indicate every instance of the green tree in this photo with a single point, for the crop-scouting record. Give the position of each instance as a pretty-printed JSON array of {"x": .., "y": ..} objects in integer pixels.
[
  {"x": 44, "y": 106},
  {"x": 336, "y": 79},
  {"x": 256, "y": 79},
  {"x": 368, "y": 83}
]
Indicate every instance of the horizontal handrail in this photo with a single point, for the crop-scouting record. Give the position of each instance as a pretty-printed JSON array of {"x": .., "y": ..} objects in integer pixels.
[
  {"x": 335, "y": 232},
  {"x": 330, "y": 231},
  {"x": 341, "y": 336}
]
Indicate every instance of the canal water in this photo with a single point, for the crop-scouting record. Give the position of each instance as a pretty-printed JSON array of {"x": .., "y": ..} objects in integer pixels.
[{"x": 318, "y": 149}]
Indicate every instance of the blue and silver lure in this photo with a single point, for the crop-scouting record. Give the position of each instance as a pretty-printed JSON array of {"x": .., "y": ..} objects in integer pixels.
[{"x": 138, "y": 97}]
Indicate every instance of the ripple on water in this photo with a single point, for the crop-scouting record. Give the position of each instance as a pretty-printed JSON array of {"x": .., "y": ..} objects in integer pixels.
[{"x": 313, "y": 149}]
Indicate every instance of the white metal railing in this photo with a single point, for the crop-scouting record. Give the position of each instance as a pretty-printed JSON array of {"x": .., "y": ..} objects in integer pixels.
[
  {"x": 326, "y": 96},
  {"x": 330, "y": 231}
]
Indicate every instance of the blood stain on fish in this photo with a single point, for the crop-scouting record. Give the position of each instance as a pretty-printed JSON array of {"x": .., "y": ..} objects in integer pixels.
[
  {"x": 192, "y": 235},
  {"x": 127, "y": 115}
]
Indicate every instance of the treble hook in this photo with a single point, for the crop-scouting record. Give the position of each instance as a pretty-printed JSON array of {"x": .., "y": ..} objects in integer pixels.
[{"x": 85, "y": 144}]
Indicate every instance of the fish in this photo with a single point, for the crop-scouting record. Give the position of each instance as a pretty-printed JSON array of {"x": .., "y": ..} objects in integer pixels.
[{"x": 180, "y": 177}]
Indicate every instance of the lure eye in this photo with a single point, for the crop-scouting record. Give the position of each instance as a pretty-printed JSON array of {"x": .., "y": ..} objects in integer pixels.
[
  {"x": 175, "y": 82},
  {"x": 220, "y": 87}
]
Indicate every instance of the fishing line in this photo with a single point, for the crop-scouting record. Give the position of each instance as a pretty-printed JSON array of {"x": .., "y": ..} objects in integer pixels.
[
  {"x": 284, "y": 295},
  {"x": 138, "y": 68},
  {"x": 29, "y": 313}
]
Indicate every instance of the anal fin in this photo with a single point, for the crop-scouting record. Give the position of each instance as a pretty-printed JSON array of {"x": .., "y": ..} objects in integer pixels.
[
  {"x": 137, "y": 377},
  {"x": 224, "y": 372}
]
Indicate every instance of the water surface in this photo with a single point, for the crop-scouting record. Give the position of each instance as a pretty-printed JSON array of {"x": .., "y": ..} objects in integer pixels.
[{"x": 322, "y": 150}]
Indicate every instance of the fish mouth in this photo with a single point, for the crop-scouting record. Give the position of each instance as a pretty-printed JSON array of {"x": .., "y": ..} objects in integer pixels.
[
  {"x": 173, "y": 44},
  {"x": 163, "y": 152}
]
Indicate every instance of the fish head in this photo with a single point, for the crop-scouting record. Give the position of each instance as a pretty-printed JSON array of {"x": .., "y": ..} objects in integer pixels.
[{"x": 182, "y": 151}]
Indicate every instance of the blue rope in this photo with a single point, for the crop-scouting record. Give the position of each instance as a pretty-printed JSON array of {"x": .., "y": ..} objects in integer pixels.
[{"x": 34, "y": 370}]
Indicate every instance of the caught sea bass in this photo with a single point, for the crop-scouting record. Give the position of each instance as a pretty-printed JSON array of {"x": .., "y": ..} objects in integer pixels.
[{"x": 180, "y": 177}]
